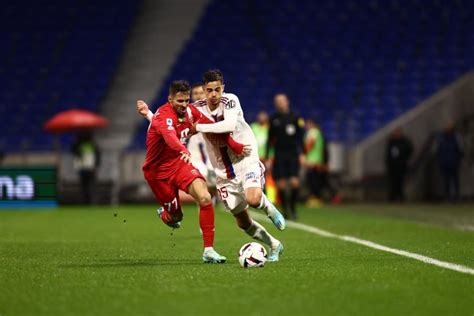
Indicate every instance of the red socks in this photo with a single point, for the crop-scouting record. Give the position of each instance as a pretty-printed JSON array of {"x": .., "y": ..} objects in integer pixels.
[{"x": 206, "y": 221}]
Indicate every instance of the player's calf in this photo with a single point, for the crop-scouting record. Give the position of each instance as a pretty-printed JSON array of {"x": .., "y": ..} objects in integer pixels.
[{"x": 255, "y": 230}]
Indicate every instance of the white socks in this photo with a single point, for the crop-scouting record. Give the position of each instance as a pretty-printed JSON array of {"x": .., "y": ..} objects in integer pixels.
[
  {"x": 266, "y": 205},
  {"x": 258, "y": 232}
]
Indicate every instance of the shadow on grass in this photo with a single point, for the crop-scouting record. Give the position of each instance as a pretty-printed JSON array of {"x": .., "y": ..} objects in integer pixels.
[{"x": 120, "y": 263}]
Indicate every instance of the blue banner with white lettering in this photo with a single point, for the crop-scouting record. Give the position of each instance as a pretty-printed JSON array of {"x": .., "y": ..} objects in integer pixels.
[{"x": 28, "y": 187}]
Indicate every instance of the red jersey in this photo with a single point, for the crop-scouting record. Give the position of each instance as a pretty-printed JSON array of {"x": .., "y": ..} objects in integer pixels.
[{"x": 166, "y": 138}]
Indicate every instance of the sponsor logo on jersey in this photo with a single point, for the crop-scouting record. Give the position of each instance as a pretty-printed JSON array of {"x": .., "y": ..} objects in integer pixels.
[
  {"x": 230, "y": 105},
  {"x": 251, "y": 176},
  {"x": 169, "y": 123}
]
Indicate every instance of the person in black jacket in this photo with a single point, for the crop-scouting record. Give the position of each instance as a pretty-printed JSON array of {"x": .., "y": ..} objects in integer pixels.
[
  {"x": 398, "y": 153},
  {"x": 286, "y": 136},
  {"x": 450, "y": 154}
]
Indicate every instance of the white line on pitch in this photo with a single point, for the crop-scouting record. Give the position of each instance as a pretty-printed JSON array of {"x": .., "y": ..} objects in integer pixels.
[
  {"x": 370, "y": 244},
  {"x": 469, "y": 228}
]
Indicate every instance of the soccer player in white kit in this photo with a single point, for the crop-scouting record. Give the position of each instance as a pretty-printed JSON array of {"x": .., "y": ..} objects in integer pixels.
[{"x": 240, "y": 178}]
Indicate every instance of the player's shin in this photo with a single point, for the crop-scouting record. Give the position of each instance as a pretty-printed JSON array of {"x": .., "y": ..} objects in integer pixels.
[
  {"x": 206, "y": 222},
  {"x": 266, "y": 205},
  {"x": 272, "y": 212},
  {"x": 258, "y": 232}
]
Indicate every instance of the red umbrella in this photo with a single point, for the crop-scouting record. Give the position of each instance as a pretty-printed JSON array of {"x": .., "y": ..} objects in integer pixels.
[{"x": 74, "y": 120}]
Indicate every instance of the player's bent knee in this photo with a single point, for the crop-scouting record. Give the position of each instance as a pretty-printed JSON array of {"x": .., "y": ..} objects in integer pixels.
[
  {"x": 205, "y": 199},
  {"x": 254, "y": 198}
]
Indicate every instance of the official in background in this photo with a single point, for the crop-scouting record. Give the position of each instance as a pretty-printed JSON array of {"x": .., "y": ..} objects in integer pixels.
[
  {"x": 286, "y": 136},
  {"x": 398, "y": 152},
  {"x": 450, "y": 153},
  {"x": 260, "y": 130}
]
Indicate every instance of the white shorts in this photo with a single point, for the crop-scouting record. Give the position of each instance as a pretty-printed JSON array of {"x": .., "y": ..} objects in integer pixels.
[{"x": 232, "y": 191}]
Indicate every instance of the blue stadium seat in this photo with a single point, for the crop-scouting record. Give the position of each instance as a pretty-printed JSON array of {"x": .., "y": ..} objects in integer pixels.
[
  {"x": 56, "y": 55},
  {"x": 362, "y": 62}
]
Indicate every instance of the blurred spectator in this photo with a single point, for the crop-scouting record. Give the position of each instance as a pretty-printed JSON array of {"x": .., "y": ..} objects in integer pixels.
[
  {"x": 450, "y": 154},
  {"x": 197, "y": 92},
  {"x": 398, "y": 153},
  {"x": 317, "y": 168},
  {"x": 86, "y": 161},
  {"x": 286, "y": 136},
  {"x": 2, "y": 156},
  {"x": 260, "y": 130}
]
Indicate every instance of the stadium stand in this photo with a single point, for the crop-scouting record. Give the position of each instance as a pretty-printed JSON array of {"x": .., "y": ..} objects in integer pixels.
[
  {"x": 354, "y": 65},
  {"x": 55, "y": 55}
]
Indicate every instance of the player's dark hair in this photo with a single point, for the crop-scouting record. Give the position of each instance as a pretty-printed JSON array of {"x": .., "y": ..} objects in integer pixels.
[
  {"x": 196, "y": 85},
  {"x": 179, "y": 86},
  {"x": 213, "y": 75}
]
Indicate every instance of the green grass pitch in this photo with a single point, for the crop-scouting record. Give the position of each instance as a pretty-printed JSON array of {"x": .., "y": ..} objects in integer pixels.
[{"x": 124, "y": 261}]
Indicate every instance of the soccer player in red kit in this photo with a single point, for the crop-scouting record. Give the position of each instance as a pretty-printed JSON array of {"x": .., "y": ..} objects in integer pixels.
[{"x": 167, "y": 166}]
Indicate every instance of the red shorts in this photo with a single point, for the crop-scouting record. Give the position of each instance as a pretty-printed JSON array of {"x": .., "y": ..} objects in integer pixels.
[{"x": 166, "y": 190}]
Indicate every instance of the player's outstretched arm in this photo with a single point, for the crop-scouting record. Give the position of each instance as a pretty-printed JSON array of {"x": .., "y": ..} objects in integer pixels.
[
  {"x": 226, "y": 126},
  {"x": 236, "y": 147},
  {"x": 232, "y": 110},
  {"x": 144, "y": 110}
]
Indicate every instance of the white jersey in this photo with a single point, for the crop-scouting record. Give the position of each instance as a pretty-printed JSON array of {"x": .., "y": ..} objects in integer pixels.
[
  {"x": 200, "y": 158},
  {"x": 198, "y": 150},
  {"x": 229, "y": 118}
]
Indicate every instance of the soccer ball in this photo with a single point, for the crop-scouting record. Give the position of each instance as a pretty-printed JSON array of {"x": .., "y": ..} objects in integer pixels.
[{"x": 252, "y": 255}]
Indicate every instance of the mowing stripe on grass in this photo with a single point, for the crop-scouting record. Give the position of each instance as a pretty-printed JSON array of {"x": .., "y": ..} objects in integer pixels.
[{"x": 370, "y": 244}]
